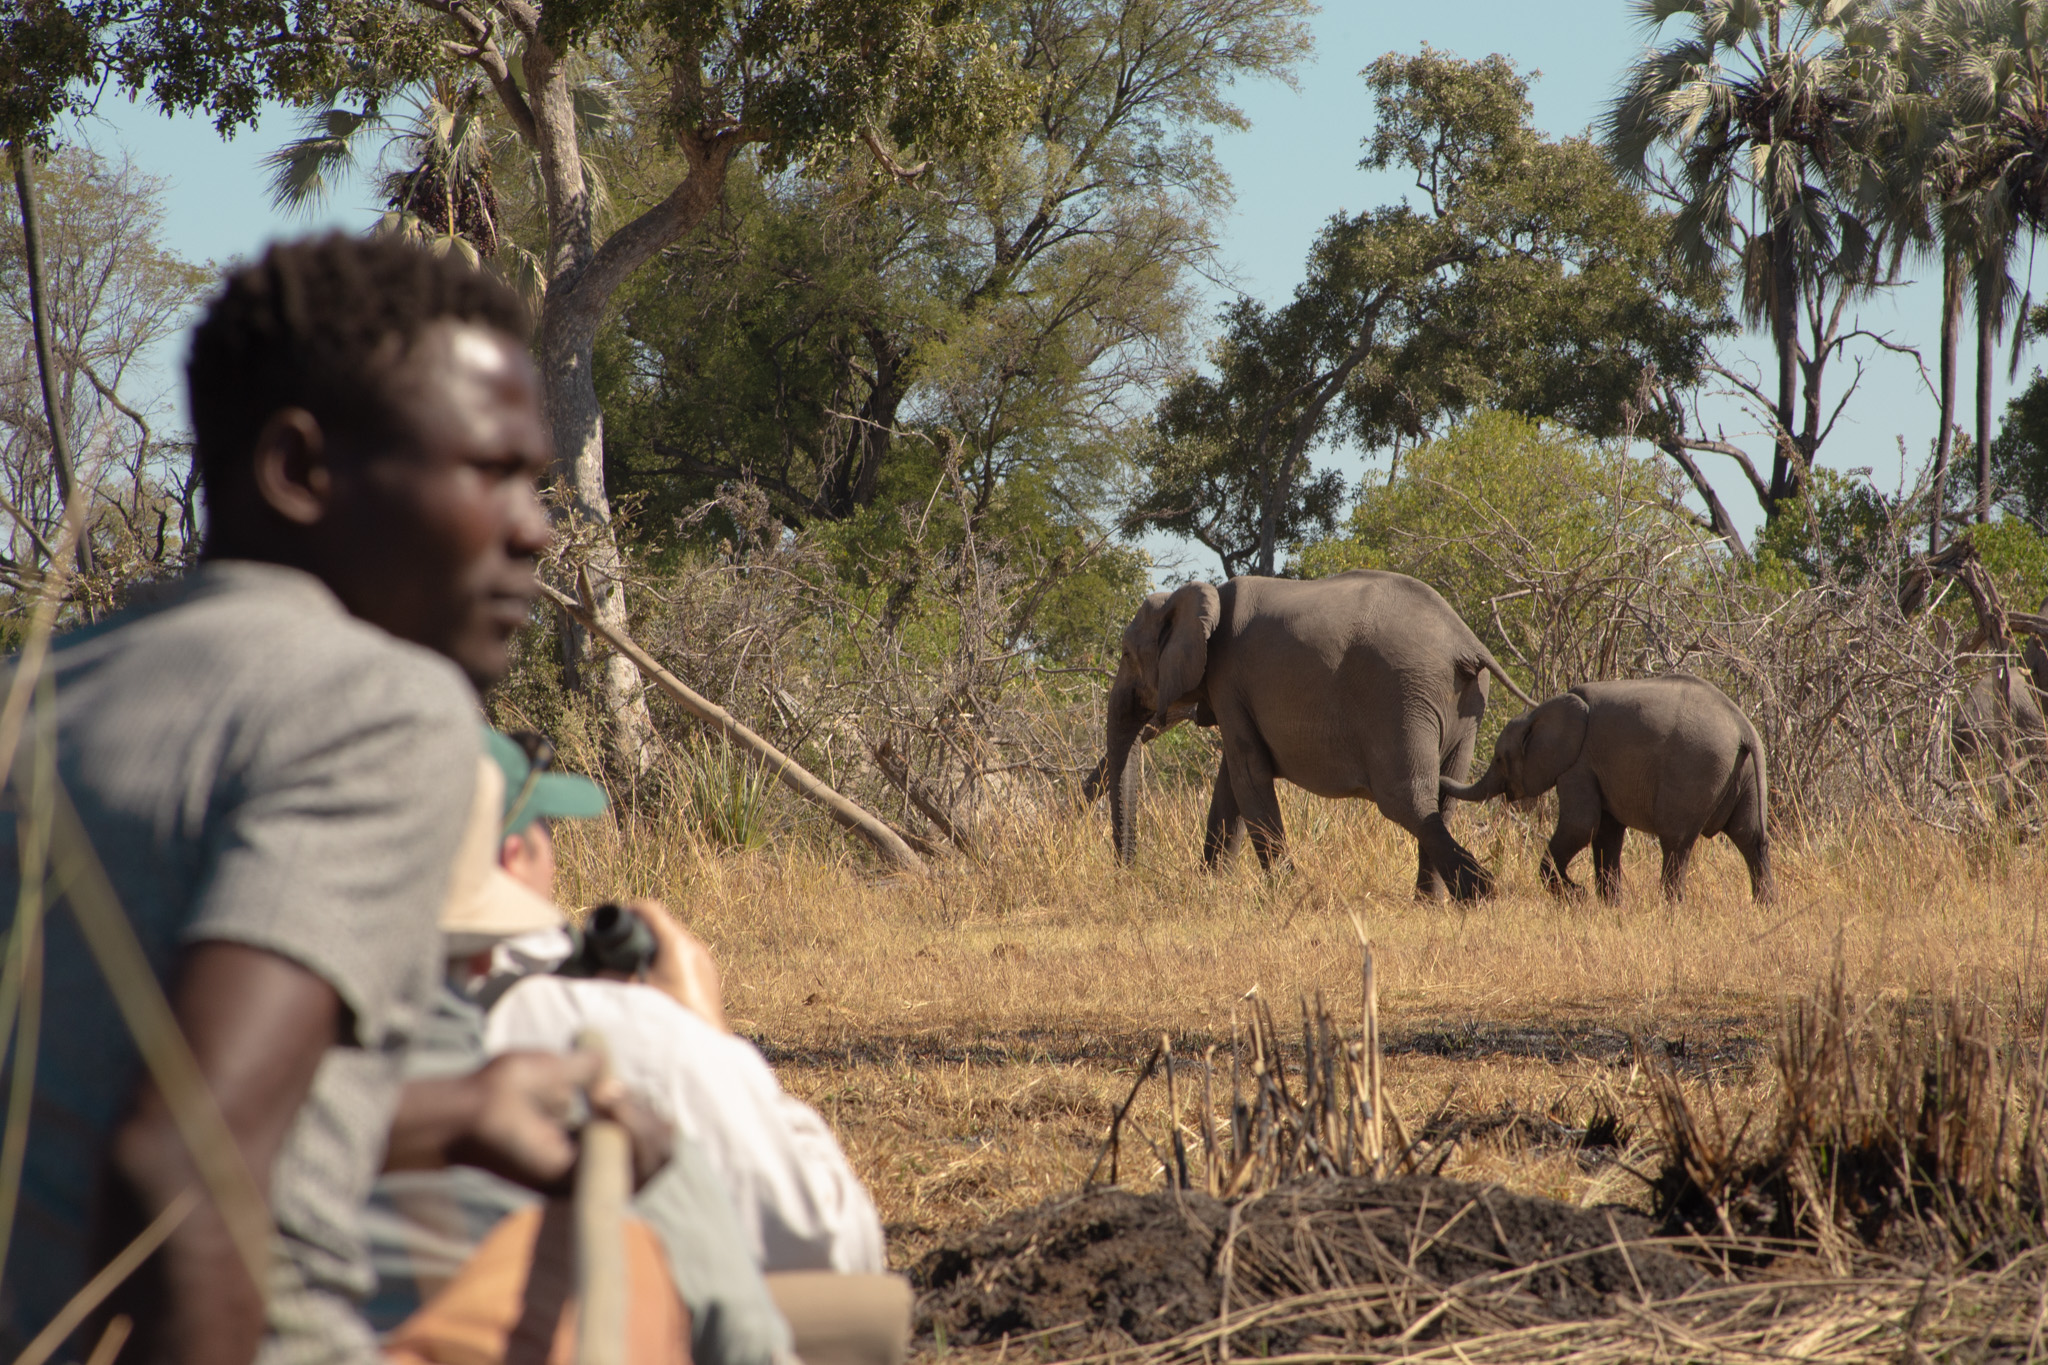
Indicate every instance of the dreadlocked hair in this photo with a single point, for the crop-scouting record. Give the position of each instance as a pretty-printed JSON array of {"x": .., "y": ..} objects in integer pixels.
[{"x": 319, "y": 324}]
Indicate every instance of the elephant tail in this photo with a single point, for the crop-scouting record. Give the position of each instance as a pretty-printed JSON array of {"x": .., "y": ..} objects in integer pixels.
[
  {"x": 1485, "y": 660},
  {"x": 1763, "y": 781},
  {"x": 1751, "y": 753}
]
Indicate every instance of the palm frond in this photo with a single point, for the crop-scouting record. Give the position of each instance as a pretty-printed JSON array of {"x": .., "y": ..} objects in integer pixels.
[{"x": 304, "y": 171}]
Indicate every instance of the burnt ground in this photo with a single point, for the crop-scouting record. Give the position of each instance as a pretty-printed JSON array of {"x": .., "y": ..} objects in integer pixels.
[
  {"x": 1702, "y": 1044},
  {"x": 1145, "y": 1267}
]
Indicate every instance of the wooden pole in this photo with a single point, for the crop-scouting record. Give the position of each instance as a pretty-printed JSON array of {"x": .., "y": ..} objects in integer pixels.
[
  {"x": 792, "y": 774},
  {"x": 604, "y": 1182}
]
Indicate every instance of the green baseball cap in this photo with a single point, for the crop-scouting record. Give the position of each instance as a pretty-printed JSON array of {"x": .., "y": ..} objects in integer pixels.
[{"x": 532, "y": 791}]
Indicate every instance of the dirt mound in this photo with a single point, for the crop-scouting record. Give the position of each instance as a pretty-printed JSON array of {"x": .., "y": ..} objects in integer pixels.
[{"x": 1149, "y": 1267}]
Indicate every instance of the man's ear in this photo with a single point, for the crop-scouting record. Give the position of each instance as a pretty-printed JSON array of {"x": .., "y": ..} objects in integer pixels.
[{"x": 293, "y": 476}]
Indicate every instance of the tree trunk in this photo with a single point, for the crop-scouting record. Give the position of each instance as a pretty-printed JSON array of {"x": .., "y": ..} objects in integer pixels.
[
  {"x": 1269, "y": 521},
  {"x": 1785, "y": 472},
  {"x": 1987, "y": 341},
  {"x": 581, "y": 279},
  {"x": 39, "y": 320},
  {"x": 858, "y": 477},
  {"x": 1944, "y": 445},
  {"x": 1717, "y": 511}
]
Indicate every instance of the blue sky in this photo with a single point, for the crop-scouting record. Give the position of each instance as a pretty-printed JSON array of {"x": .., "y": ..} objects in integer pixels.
[{"x": 1294, "y": 167}]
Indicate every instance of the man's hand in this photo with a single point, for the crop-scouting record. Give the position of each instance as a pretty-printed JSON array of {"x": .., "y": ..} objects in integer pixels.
[
  {"x": 525, "y": 1106},
  {"x": 516, "y": 1117},
  {"x": 683, "y": 968},
  {"x": 653, "y": 1137}
]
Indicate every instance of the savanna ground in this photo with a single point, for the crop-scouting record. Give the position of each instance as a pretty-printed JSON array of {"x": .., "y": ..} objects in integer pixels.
[{"x": 970, "y": 1034}]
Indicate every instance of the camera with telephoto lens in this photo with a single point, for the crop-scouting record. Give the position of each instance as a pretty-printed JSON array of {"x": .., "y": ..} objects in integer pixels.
[{"x": 610, "y": 939}]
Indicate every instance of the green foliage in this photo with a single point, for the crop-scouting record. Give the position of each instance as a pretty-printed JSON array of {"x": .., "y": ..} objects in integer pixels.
[
  {"x": 2016, "y": 554},
  {"x": 834, "y": 349},
  {"x": 47, "y": 59},
  {"x": 728, "y": 793},
  {"x": 1019, "y": 296},
  {"x": 1755, "y": 120},
  {"x": 1524, "y": 277},
  {"x": 805, "y": 80},
  {"x": 2019, "y": 455},
  {"x": 1837, "y": 527},
  {"x": 1497, "y": 486},
  {"x": 227, "y": 58}
]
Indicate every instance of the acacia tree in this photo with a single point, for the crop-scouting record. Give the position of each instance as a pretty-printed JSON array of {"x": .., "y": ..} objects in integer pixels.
[
  {"x": 1523, "y": 276},
  {"x": 795, "y": 81},
  {"x": 1031, "y": 299},
  {"x": 112, "y": 291}
]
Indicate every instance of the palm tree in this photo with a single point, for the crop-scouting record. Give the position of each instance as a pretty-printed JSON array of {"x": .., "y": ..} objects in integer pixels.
[
  {"x": 437, "y": 168},
  {"x": 1753, "y": 105},
  {"x": 1904, "y": 166},
  {"x": 437, "y": 181},
  {"x": 1993, "y": 57}
]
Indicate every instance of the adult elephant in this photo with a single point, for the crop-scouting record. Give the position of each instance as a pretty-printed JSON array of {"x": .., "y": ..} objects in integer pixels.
[{"x": 1363, "y": 685}]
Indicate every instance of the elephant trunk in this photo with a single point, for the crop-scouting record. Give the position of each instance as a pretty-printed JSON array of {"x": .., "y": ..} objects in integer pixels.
[
  {"x": 1491, "y": 783},
  {"x": 1092, "y": 785},
  {"x": 1121, "y": 777}
]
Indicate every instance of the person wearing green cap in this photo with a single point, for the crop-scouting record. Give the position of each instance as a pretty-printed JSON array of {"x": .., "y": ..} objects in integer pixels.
[
  {"x": 805, "y": 1219},
  {"x": 424, "y": 1226}
]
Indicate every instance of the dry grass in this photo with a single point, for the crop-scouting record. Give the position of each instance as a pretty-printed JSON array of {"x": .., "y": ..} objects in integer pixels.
[{"x": 970, "y": 1033}]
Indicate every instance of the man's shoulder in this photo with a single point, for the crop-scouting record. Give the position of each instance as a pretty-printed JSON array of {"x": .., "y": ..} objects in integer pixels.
[{"x": 248, "y": 629}]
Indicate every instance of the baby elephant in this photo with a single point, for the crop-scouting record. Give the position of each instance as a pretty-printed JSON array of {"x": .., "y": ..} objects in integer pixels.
[{"x": 1671, "y": 756}]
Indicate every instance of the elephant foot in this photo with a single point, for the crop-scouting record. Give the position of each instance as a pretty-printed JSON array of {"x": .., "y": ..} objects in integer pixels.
[
  {"x": 1452, "y": 862},
  {"x": 1470, "y": 882}
]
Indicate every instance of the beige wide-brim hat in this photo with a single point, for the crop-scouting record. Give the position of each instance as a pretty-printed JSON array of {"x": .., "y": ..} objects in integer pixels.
[{"x": 484, "y": 901}]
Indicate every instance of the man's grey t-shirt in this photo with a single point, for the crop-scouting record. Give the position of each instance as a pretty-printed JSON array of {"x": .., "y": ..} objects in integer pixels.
[{"x": 253, "y": 766}]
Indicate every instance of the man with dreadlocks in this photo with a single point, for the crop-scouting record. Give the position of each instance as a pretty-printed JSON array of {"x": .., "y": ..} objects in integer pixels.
[{"x": 273, "y": 762}]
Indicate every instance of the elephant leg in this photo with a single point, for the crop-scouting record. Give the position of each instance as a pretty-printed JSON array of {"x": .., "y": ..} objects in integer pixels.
[
  {"x": 1453, "y": 862},
  {"x": 1755, "y": 848},
  {"x": 1428, "y": 886},
  {"x": 1225, "y": 831},
  {"x": 1754, "y": 844},
  {"x": 1250, "y": 767},
  {"x": 1457, "y": 766},
  {"x": 1747, "y": 830},
  {"x": 1677, "y": 857},
  {"x": 1578, "y": 819},
  {"x": 1416, "y": 805},
  {"x": 1607, "y": 843}
]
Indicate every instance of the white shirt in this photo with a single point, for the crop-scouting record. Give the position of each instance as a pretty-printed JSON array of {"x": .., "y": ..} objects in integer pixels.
[{"x": 799, "y": 1202}]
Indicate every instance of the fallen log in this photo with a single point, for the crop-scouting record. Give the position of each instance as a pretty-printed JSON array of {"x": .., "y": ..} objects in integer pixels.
[{"x": 792, "y": 774}]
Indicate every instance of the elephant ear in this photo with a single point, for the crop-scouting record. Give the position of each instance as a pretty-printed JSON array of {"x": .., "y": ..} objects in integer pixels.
[
  {"x": 1191, "y": 617},
  {"x": 1553, "y": 741}
]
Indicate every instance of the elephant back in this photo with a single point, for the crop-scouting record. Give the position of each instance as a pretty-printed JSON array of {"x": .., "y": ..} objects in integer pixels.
[{"x": 1369, "y": 606}]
